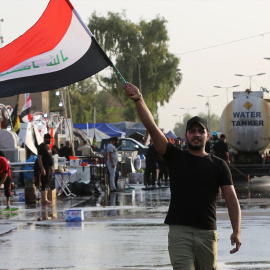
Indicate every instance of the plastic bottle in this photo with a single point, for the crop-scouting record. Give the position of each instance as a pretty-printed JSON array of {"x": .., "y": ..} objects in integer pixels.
[
  {"x": 55, "y": 162},
  {"x": 137, "y": 163},
  {"x": 143, "y": 159}
]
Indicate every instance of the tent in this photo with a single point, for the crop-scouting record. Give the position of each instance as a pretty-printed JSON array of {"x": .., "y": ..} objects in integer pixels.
[
  {"x": 130, "y": 127},
  {"x": 171, "y": 135},
  {"x": 103, "y": 127},
  {"x": 98, "y": 134}
]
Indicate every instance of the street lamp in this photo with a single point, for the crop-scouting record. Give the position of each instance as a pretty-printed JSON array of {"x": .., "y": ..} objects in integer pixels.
[
  {"x": 139, "y": 68},
  {"x": 178, "y": 116},
  {"x": 227, "y": 88},
  {"x": 208, "y": 104},
  {"x": 250, "y": 76},
  {"x": 188, "y": 109},
  {"x": 1, "y": 37}
]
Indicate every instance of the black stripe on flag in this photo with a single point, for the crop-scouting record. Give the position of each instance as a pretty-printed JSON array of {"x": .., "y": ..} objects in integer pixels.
[{"x": 93, "y": 61}]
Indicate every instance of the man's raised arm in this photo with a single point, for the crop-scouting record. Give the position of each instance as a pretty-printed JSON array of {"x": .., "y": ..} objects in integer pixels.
[{"x": 146, "y": 116}]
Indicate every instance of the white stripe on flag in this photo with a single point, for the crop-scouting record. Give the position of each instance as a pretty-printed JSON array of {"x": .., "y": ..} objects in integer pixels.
[{"x": 72, "y": 47}]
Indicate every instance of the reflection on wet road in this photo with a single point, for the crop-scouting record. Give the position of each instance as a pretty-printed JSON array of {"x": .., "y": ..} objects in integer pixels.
[{"x": 126, "y": 231}]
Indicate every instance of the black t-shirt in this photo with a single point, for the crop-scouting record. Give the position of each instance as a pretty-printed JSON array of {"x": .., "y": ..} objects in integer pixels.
[
  {"x": 152, "y": 155},
  {"x": 46, "y": 153},
  {"x": 65, "y": 152},
  {"x": 220, "y": 149},
  {"x": 194, "y": 184},
  {"x": 208, "y": 147}
]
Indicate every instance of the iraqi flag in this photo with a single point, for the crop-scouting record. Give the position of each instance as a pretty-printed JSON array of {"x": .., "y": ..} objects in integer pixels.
[
  {"x": 57, "y": 51},
  {"x": 25, "y": 114}
]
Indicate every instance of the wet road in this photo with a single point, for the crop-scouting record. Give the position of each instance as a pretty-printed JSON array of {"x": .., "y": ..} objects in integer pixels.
[{"x": 126, "y": 231}]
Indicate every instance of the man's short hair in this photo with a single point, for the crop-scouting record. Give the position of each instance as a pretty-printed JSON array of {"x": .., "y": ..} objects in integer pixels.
[
  {"x": 222, "y": 136},
  {"x": 55, "y": 147},
  {"x": 114, "y": 139},
  {"x": 47, "y": 136},
  {"x": 198, "y": 120}
]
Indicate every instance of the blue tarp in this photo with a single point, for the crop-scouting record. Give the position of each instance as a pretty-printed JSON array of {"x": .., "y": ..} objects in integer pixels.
[
  {"x": 171, "y": 135},
  {"x": 104, "y": 127},
  {"x": 130, "y": 127}
]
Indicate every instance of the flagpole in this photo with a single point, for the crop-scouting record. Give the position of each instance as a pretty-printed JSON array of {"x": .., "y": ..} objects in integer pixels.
[
  {"x": 71, "y": 122},
  {"x": 65, "y": 112}
]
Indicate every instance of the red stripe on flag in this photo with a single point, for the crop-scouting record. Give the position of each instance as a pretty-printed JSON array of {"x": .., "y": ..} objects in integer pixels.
[
  {"x": 52, "y": 139},
  {"x": 42, "y": 37}
]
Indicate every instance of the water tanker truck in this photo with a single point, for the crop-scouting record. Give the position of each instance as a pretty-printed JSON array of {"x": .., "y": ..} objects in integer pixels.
[{"x": 246, "y": 123}]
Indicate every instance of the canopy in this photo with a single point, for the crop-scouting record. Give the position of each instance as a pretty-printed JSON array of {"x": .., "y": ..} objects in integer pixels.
[
  {"x": 130, "y": 127},
  {"x": 103, "y": 127},
  {"x": 170, "y": 135},
  {"x": 98, "y": 134}
]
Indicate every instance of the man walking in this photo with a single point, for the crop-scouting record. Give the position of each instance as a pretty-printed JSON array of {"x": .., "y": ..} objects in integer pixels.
[
  {"x": 112, "y": 161},
  {"x": 221, "y": 149},
  {"x": 195, "y": 178},
  {"x": 151, "y": 163},
  {"x": 45, "y": 162}
]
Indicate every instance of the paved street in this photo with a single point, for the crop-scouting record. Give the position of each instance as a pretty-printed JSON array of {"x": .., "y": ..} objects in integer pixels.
[{"x": 124, "y": 230}]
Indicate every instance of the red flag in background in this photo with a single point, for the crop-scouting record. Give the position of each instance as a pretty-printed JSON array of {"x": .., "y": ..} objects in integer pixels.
[
  {"x": 52, "y": 139},
  {"x": 25, "y": 114},
  {"x": 57, "y": 51},
  {"x": 172, "y": 140}
]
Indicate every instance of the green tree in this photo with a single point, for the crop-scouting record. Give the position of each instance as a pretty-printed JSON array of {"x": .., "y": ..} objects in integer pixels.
[
  {"x": 108, "y": 108},
  {"x": 180, "y": 128},
  {"x": 215, "y": 122},
  {"x": 147, "y": 42},
  {"x": 82, "y": 100}
]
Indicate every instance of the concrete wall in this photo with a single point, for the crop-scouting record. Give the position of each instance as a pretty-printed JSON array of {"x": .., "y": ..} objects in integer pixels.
[{"x": 40, "y": 102}]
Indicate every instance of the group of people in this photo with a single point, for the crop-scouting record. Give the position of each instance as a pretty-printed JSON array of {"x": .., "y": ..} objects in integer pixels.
[
  {"x": 65, "y": 150},
  {"x": 44, "y": 164},
  {"x": 156, "y": 164},
  {"x": 195, "y": 179},
  {"x": 218, "y": 146},
  {"x": 43, "y": 168}
]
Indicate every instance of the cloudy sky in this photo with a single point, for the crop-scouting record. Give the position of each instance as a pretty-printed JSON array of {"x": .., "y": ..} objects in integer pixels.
[{"x": 213, "y": 39}]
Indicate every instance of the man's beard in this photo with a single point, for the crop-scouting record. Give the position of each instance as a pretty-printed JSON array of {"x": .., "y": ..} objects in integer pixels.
[
  {"x": 195, "y": 147},
  {"x": 48, "y": 142}
]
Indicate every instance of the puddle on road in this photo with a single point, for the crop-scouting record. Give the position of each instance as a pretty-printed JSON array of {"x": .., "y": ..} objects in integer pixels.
[{"x": 123, "y": 231}]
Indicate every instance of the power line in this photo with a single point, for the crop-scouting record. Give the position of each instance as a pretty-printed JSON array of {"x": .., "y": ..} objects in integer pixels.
[{"x": 222, "y": 44}]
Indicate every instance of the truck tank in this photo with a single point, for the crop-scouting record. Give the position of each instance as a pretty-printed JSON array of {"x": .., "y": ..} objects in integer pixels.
[{"x": 246, "y": 123}]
